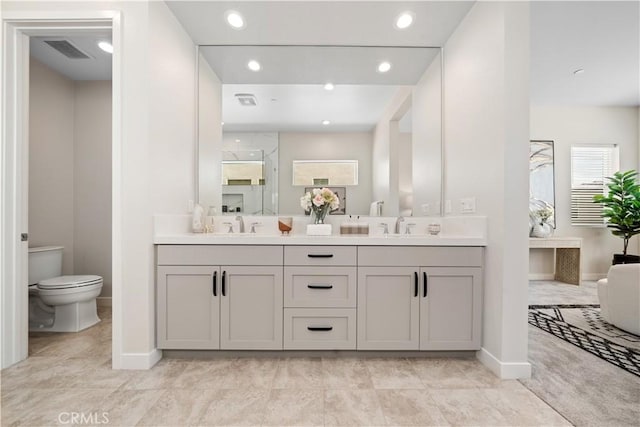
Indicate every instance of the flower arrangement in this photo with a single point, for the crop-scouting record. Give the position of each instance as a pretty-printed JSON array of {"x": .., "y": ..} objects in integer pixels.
[
  {"x": 544, "y": 213},
  {"x": 320, "y": 201}
]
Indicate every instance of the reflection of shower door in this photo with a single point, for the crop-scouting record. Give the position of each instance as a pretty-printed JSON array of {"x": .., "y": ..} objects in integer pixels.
[{"x": 243, "y": 175}]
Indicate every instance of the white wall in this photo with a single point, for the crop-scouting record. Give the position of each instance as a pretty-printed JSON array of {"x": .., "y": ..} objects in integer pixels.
[
  {"x": 583, "y": 125},
  {"x": 427, "y": 146},
  {"x": 486, "y": 130},
  {"x": 92, "y": 181},
  {"x": 51, "y": 161},
  {"x": 70, "y": 170},
  {"x": 325, "y": 146}
]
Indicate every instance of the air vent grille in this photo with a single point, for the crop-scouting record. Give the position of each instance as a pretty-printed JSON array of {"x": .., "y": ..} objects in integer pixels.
[
  {"x": 246, "y": 99},
  {"x": 67, "y": 49}
]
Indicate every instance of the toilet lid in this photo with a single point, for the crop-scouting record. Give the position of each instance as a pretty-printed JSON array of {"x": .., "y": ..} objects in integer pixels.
[{"x": 64, "y": 282}]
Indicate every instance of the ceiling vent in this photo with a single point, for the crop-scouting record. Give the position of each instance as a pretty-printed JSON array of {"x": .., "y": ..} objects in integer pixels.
[
  {"x": 246, "y": 99},
  {"x": 67, "y": 49}
]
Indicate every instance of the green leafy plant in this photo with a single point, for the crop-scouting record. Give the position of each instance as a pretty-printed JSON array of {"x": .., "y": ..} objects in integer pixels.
[{"x": 622, "y": 205}]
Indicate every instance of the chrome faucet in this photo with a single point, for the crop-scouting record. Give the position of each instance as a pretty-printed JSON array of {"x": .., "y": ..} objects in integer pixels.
[
  {"x": 228, "y": 224},
  {"x": 398, "y": 221},
  {"x": 408, "y": 227},
  {"x": 241, "y": 221},
  {"x": 253, "y": 227}
]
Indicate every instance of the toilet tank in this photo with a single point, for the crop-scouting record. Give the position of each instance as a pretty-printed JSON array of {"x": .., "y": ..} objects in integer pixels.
[{"x": 45, "y": 262}]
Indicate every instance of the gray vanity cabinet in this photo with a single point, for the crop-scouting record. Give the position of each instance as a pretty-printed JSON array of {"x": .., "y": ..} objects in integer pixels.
[
  {"x": 450, "y": 308},
  {"x": 388, "y": 308},
  {"x": 230, "y": 306},
  {"x": 188, "y": 312},
  {"x": 251, "y": 308},
  {"x": 419, "y": 298}
]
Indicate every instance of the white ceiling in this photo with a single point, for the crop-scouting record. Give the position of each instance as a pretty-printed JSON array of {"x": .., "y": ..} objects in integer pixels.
[
  {"x": 96, "y": 67},
  {"x": 302, "y": 108},
  {"x": 603, "y": 38}
]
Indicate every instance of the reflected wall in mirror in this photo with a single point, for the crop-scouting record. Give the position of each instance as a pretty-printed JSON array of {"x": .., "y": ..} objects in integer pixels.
[{"x": 389, "y": 123}]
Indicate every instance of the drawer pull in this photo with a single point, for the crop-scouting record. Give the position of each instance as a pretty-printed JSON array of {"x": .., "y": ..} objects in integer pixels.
[
  {"x": 319, "y": 286},
  {"x": 224, "y": 283},
  {"x": 320, "y": 255},
  {"x": 415, "y": 286},
  {"x": 215, "y": 283},
  {"x": 426, "y": 288},
  {"x": 320, "y": 328}
]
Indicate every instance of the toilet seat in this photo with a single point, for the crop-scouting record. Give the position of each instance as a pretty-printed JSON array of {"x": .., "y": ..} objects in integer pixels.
[{"x": 69, "y": 282}]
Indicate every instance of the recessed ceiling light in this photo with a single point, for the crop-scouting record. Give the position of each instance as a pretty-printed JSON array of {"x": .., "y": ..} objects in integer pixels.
[
  {"x": 578, "y": 71},
  {"x": 404, "y": 20},
  {"x": 328, "y": 86},
  {"x": 254, "y": 65},
  {"x": 222, "y": 123},
  {"x": 252, "y": 154},
  {"x": 384, "y": 66},
  {"x": 106, "y": 46},
  {"x": 326, "y": 122},
  {"x": 234, "y": 19},
  {"x": 237, "y": 140}
]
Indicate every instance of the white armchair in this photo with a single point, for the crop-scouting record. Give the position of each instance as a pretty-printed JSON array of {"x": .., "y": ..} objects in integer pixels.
[{"x": 619, "y": 296}]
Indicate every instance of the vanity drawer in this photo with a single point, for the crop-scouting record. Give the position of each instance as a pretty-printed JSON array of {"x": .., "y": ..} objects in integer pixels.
[
  {"x": 320, "y": 287},
  {"x": 219, "y": 255},
  {"x": 320, "y": 255},
  {"x": 319, "y": 329},
  {"x": 425, "y": 256}
]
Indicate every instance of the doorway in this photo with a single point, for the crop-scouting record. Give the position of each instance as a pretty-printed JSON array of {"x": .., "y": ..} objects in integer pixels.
[{"x": 14, "y": 168}]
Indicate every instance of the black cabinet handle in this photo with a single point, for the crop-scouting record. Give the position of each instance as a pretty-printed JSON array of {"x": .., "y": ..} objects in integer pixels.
[
  {"x": 415, "y": 287},
  {"x": 318, "y": 286},
  {"x": 424, "y": 284},
  {"x": 320, "y": 255},
  {"x": 215, "y": 283},
  {"x": 224, "y": 282},
  {"x": 320, "y": 328}
]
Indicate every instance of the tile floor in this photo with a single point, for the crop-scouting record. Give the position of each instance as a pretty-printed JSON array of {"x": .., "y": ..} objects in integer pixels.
[{"x": 69, "y": 374}]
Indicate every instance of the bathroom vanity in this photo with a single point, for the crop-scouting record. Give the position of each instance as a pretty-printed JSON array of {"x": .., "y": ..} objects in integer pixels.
[{"x": 261, "y": 292}]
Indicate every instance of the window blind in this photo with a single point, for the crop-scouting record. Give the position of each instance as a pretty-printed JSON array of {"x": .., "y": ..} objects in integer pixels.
[{"x": 590, "y": 165}]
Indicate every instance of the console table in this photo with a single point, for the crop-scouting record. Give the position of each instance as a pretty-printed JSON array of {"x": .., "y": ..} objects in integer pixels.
[{"x": 567, "y": 256}]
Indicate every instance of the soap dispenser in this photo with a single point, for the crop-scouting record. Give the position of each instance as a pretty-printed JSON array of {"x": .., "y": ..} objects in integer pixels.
[
  {"x": 209, "y": 222},
  {"x": 197, "y": 220}
]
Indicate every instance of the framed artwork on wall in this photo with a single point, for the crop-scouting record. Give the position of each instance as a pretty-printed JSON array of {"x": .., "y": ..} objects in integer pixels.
[
  {"x": 542, "y": 198},
  {"x": 341, "y": 192}
]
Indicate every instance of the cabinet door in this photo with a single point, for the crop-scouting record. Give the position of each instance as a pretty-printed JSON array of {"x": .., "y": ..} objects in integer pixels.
[
  {"x": 251, "y": 308},
  {"x": 188, "y": 312},
  {"x": 450, "y": 308},
  {"x": 388, "y": 308}
]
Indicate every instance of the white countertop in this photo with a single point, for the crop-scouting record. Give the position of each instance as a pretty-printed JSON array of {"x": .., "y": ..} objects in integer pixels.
[{"x": 301, "y": 239}]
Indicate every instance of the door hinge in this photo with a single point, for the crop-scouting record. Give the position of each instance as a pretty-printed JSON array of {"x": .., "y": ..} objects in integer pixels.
[{"x": 24, "y": 237}]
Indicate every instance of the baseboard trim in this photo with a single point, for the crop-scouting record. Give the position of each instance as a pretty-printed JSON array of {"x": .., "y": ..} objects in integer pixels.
[
  {"x": 103, "y": 301},
  {"x": 140, "y": 360},
  {"x": 541, "y": 276},
  {"x": 504, "y": 370}
]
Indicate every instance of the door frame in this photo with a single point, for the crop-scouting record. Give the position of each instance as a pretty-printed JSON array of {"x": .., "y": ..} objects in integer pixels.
[{"x": 17, "y": 27}]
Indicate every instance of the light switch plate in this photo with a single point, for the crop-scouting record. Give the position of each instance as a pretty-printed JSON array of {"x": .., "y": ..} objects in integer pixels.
[
  {"x": 190, "y": 206},
  {"x": 425, "y": 208},
  {"x": 468, "y": 205}
]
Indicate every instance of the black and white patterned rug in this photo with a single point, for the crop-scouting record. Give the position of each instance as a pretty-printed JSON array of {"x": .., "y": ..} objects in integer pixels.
[{"x": 582, "y": 326}]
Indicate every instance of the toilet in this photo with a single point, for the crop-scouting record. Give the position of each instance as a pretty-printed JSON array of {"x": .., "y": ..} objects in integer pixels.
[{"x": 59, "y": 303}]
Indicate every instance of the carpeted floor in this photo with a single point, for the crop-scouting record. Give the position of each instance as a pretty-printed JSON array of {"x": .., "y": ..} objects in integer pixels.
[
  {"x": 585, "y": 389},
  {"x": 582, "y": 326}
]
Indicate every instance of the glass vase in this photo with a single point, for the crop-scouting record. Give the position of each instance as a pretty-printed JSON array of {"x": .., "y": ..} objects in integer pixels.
[{"x": 319, "y": 213}]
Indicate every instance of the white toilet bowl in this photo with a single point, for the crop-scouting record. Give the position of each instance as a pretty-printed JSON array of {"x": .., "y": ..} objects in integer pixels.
[{"x": 60, "y": 303}]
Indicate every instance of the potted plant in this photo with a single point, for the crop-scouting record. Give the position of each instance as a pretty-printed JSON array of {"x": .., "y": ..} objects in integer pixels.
[{"x": 622, "y": 211}]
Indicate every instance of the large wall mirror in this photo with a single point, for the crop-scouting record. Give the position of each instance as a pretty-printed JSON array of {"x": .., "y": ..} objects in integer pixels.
[{"x": 266, "y": 113}]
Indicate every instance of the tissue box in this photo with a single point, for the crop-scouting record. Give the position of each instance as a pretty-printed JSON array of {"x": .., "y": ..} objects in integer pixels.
[{"x": 319, "y": 229}]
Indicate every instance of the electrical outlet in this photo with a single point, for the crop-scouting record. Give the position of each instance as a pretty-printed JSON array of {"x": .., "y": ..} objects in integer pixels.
[
  {"x": 468, "y": 205},
  {"x": 190, "y": 206},
  {"x": 425, "y": 208},
  {"x": 447, "y": 206}
]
